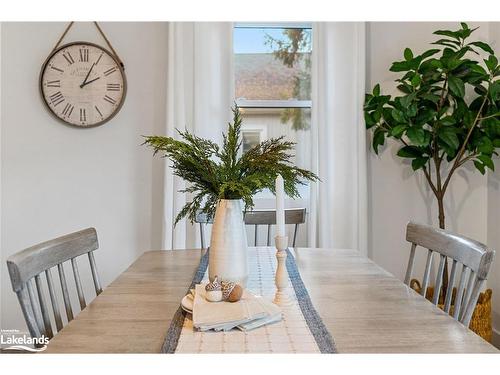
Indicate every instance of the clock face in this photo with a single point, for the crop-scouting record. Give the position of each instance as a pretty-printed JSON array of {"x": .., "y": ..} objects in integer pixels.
[{"x": 83, "y": 84}]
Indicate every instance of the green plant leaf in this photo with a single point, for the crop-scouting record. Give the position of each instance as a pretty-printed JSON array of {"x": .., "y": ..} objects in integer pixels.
[
  {"x": 398, "y": 130},
  {"x": 447, "y": 121},
  {"x": 416, "y": 135},
  {"x": 398, "y": 115},
  {"x": 487, "y": 161},
  {"x": 479, "y": 166},
  {"x": 448, "y": 136},
  {"x": 449, "y": 33},
  {"x": 418, "y": 162},
  {"x": 405, "y": 88},
  {"x": 480, "y": 89},
  {"x": 483, "y": 46},
  {"x": 485, "y": 146},
  {"x": 408, "y": 54},
  {"x": 456, "y": 86},
  {"x": 400, "y": 66},
  {"x": 429, "y": 53},
  {"x": 378, "y": 139},
  {"x": 495, "y": 91},
  {"x": 478, "y": 69},
  {"x": 409, "y": 152},
  {"x": 415, "y": 81},
  {"x": 369, "y": 121},
  {"x": 491, "y": 63},
  {"x": 376, "y": 90}
]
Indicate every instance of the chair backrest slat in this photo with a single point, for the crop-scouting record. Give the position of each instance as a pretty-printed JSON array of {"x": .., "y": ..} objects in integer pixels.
[
  {"x": 295, "y": 216},
  {"x": 460, "y": 291},
  {"x": 53, "y": 300},
  {"x": 470, "y": 306},
  {"x": 468, "y": 292},
  {"x": 65, "y": 293},
  {"x": 78, "y": 284},
  {"x": 95, "y": 275},
  {"x": 35, "y": 307},
  {"x": 27, "y": 308},
  {"x": 427, "y": 273},
  {"x": 202, "y": 235},
  {"x": 439, "y": 279},
  {"x": 475, "y": 260},
  {"x": 449, "y": 292},
  {"x": 43, "y": 307},
  {"x": 26, "y": 267},
  {"x": 411, "y": 261}
]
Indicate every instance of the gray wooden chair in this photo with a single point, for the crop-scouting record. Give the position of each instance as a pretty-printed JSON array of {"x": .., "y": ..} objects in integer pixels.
[
  {"x": 472, "y": 257},
  {"x": 26, "y": 268},
  {"x": 295, "y": 216}
]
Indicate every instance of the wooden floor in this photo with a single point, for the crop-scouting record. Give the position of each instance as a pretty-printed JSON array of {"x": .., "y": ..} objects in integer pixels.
[{"x": 366, "y": 309}]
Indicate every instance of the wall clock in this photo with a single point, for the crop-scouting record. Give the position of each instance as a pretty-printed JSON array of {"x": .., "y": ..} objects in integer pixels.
[{"x": 83, "y": 84}]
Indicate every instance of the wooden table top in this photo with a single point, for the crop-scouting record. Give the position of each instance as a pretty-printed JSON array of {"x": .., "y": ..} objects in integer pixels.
[{"x": 366, "y": 309}]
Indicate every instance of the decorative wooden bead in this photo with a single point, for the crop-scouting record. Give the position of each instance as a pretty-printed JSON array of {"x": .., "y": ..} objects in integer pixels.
[
  {"x": 213, "y": 285},
  {"x": 231, "y": 291},
  {"x": 213, "y": 291},
  {"x": 227, "y": 288},
  {"x": 235, "y": 294}
]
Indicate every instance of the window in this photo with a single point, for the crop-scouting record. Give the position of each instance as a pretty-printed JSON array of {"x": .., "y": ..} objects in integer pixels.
[{"x": 272, "y": 64}]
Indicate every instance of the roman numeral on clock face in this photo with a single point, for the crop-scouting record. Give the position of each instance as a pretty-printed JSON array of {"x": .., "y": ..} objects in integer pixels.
[
  {"x": 84, "y": 55},
  {"x": 113, "y": 87},
  {"x": 56, "y": 98},
  {"x": 97, "y": 109},
  {"x": 56, "y": 83},
  {"x": 68, "y": 58},
  {"x": 109, "y": 99},
  {"x": 110, "y": 71},
  {"x": 68, "y": 110},
  {"x": 83, "y": 115},
  {"x": 59, "y": 70}
]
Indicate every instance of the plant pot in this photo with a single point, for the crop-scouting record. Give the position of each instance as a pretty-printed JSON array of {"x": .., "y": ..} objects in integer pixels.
[
  {"x": 228, "y": 255},
  {"x": 480, "y": 322}
]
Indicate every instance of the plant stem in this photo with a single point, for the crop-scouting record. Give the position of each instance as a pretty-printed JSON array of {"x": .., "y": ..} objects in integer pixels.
[{"x": 458, "y": 159}]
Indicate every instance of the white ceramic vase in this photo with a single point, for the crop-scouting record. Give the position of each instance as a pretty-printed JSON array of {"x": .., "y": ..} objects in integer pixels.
[{"x": 228, "y": 257}]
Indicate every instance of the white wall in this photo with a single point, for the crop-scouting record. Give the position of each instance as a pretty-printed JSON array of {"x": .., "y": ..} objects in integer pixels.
[
  {"x": 57, "y": 179},
  {"x": 396, "y": 194},
  {"x": 494, "y": 213}
]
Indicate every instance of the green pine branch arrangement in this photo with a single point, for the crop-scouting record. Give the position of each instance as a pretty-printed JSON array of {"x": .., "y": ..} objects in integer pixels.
[{"x": 215, "y": 173}]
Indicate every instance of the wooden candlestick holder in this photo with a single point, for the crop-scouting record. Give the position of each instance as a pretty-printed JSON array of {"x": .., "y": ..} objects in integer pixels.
[{"x": 281, "y": 298}]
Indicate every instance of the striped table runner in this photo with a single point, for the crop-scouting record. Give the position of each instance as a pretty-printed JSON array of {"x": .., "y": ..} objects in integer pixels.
[{"x": 300, "y": 331}]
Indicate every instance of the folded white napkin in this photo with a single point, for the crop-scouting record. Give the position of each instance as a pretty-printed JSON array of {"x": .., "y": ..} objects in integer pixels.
[{"x": 248, "y": 313}]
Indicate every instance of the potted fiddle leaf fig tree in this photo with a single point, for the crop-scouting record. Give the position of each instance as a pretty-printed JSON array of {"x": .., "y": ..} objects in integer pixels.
[
  {"x": 447, "y": 112},
  {"x": 222, "y": 179}
]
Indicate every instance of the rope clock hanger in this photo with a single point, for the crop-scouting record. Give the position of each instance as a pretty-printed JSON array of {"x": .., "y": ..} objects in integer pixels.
[{"x": 81, "y": 83}]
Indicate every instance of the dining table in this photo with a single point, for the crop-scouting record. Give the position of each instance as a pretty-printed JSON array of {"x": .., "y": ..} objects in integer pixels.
[{"x": 365, "y": 308}]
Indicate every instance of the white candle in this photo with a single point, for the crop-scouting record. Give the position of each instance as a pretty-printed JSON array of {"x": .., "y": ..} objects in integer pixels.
[{"x": 280, "y": 207}]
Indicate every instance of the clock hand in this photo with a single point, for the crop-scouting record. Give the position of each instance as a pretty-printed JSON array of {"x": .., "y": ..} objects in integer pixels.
[
  {"x": 89, "y": 82},
  {"x": 87, "y": 76}
]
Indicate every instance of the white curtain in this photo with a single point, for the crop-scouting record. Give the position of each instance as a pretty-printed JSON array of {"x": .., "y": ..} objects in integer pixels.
[
  {"x": 338, "y": 216},
  {"x": 199, "y": 99}
]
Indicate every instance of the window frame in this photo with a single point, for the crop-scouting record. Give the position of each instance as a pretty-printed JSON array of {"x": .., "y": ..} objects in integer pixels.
[{"x": 273, "y": 103}]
